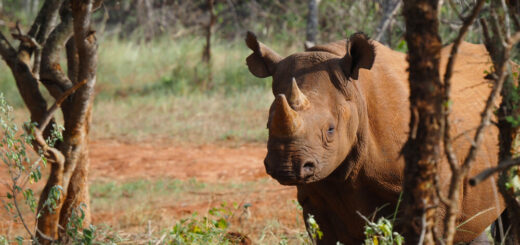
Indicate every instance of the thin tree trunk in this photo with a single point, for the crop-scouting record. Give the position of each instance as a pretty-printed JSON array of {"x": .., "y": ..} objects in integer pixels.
[
  {"x": 206, "y": 54},
  {"x": 390, "y": 10},
  {"x": 146, "y": 18},
  {"x": 34, "y": 7},
  {"x": 508, "y": 133},
  {"x": 312, "y": 24},
  {"x": 422, "y": 150}
]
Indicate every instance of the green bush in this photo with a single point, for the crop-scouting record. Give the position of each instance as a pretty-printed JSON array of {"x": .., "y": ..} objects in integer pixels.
[{"x": 24, "y": 170}]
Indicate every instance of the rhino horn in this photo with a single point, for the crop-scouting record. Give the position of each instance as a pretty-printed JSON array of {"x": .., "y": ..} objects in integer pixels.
[
  {"x": 297, "y": 99},
  {"x": 286, "y": 121}
]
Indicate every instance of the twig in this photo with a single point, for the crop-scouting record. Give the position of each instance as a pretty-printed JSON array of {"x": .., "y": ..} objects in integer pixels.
[
  {"x": 458, "y": 173},
  {"x": 44, "y": 236},
  {"x": 48, "y": 151},
  {"x": 496, "y": 28},
  {"x": 502, "y": 166},
  {"x": 161, "y": 239},
  {"x": 452, "y": 158},
  {"x": 485, "y": 29},
  {"x": 20, "y": 214},
  {"x": 454, "y": 7},
  {"x": 515, "y": 20},
  {"x": 25, "y": 38},
  {"x": 506, "y": 19},
  {"x": 486, "y": 115},
  {"x": 58, "y": 157}
]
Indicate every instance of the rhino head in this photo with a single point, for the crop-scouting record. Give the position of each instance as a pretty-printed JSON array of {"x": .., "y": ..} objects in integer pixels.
[{"x": 315, "y": 117}]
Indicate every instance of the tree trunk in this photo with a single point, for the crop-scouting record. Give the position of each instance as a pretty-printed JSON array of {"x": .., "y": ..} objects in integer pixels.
[
  {"x": 312, "y": 24},
  {"x": 146, "y": 18},
  {"x": 73, "y": 92},
  {"x": 206, "y": 53},
  {"x": 390, "y": 10},
  {"x": 508, "y": 133},
  {"x": 422, "y": 150},
  {"x": 34, "y": 7}
]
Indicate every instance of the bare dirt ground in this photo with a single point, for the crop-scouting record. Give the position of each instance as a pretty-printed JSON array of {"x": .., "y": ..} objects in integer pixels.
[
  {"x": 208, "y": 163},
  {"x": 228, "y": 174}
]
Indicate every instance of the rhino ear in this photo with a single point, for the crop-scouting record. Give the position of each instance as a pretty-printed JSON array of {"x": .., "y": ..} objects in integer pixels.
[
  {"x": 360, "y": 54},
  {"x": 262, "y": 62}
]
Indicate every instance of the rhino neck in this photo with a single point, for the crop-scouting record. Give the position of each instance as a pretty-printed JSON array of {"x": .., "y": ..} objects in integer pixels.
[
  {"x": 375, "y": 161},
  {"x": 386, "y": 93}
]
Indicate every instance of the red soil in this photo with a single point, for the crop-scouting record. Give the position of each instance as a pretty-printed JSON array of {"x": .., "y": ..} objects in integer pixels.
[
  {"x": 208, "y": 163},
  {"x": 120, "y": 162}
]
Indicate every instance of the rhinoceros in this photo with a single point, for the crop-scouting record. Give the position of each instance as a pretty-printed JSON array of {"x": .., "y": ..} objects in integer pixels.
[{"x": 338, "y": 123}]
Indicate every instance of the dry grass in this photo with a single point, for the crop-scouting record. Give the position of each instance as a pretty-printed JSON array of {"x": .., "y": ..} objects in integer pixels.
[
  {"x": 146, "y": 210},
  {"x": 151, "y": 92},
  {"x": 196, "y": 118}
]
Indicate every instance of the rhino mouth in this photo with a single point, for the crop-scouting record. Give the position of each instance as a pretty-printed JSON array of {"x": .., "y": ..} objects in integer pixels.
[
  {"x": 286, "y": 178},
  {"x": 291, "y": 174}
]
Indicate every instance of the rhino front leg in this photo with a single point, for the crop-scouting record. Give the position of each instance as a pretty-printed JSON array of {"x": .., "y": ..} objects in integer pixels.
[{"x": 328, "y": 224}]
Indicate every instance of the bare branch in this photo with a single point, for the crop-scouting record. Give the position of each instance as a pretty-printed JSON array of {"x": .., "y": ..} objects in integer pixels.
[
  {"x": 86, "y": 47},
  {"x": 495, "y": 26},
  {"x": 454, "y": 7},
  {"x": 45, "y": 19},
  {"x": 457, "y": 172},
  {"x": 28, "y": 40},
  {"x": 48, "y": 116},
  {"x": 388, "y": 19},
  {"x": 41, "y": 29},
  {"x": 452, "y": 159},
  {"x": 15, "y": 192},
  {"x": 485, "y": 30},
  {"x": 486, "y": 114},
  {"x": 28, "y": 87},
  {"x": 51, "y": 74},
  {"x": 515, "y": 20},
  {"x": 41, "y": 234},
  {"x": 502, "y": 166},
  {"x": 506, "y": 19}
]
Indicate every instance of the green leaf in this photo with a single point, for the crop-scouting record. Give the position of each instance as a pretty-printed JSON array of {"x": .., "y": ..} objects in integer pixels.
[{"x": 19, "y": 239}]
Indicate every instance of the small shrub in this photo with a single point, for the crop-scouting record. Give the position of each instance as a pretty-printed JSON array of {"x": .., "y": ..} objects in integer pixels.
[
  {"x": 16, "y": 158},
  {"x": 314, "y": 228},
  {"x": 381, "y": 232},
  {"x": 211, "y": 229}
]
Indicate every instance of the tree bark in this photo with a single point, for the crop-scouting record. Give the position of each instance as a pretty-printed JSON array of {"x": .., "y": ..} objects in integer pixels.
[
  {"x": 422, "y": 150},
  {"x": 146, "y": 18},
  {"x": 312, "y": 23},
  {"x": 390, "y": 10},
  {"x": 206, "y": 53},
  {"x": 509, "y": 107},
  {"x": 74, "y": 92}
]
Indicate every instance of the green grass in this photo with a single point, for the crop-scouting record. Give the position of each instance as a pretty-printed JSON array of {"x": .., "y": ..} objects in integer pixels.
[
  {"x": 160, "y": 90},
  {"x": 145, "y": 210},
  {"x": 168, "y": 66},
  {"x": 197, "y": 118}
]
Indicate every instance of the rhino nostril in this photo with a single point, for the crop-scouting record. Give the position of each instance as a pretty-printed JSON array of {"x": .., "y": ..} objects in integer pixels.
[{"x": 308, "y": 169}]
